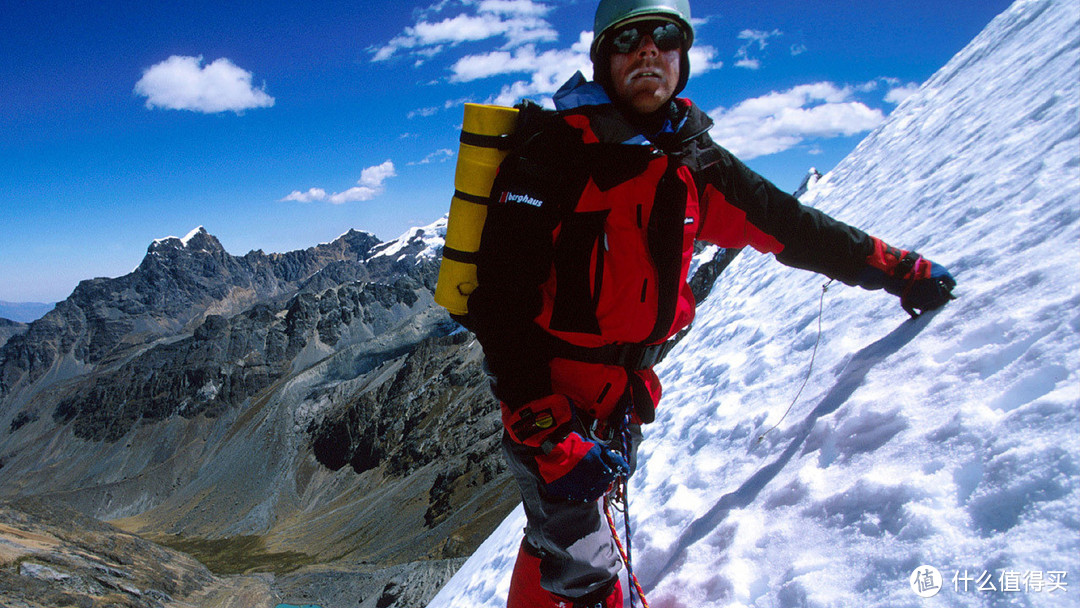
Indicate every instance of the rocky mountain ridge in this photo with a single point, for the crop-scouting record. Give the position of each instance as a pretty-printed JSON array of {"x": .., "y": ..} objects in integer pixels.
[
  {"x": 176, "y": 285},
  {"x": 206, "y": 398}
]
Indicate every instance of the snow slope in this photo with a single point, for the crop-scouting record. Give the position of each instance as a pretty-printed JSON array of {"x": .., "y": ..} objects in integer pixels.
[{"x": 951, "y": 441}]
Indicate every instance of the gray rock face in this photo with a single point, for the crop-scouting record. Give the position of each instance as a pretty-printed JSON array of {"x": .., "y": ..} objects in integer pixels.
[
  {"x": 176, "y": 284},
  {"x": 228, "y": 361},
  {"x": 212, "y": 403},
  {"x": 9, "y": 328}
]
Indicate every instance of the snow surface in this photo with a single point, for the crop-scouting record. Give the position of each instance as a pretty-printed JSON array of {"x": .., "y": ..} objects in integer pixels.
[
  {"x": 431, "y": 239},
  {"x": 183, "y": 241},
  {"x": 951, "y": 440}
]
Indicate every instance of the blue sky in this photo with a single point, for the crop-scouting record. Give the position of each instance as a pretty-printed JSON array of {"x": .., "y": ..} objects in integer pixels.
[{"x": 280, "y": 125}]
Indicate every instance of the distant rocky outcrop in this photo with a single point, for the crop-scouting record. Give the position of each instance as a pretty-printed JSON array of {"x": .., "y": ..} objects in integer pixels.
[
  {"x": 228, "y": 361},
  {"x": 178, "y": 283},
  {"x": 9, "y": 328}
]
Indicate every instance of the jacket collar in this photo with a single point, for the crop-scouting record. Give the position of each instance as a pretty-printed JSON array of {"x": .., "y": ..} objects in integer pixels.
[{"x": 584, "y": 96}]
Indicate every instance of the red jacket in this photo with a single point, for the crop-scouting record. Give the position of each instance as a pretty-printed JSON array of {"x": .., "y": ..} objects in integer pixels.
[{"x": 589, "y": 239}]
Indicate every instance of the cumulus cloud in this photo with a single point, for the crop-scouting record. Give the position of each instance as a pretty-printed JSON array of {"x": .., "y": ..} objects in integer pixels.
[
  {"x": 368, "y": 187},
  {"x": 517, "y": 21},
  {"x": 313, "y": 194},
  {"x": 371, "y": 184},
  {"x": 521, "y": 60},
  {"x": 900, "y": 93},
  {"x": 547, "y": 71},
  {"x": 782, "y": 120},
  {"x": 524, "y": 27},
  {"x": 184, "y": 83},
  {"x": 703, "y": 59},
  {"x": 755, "y": 42}
]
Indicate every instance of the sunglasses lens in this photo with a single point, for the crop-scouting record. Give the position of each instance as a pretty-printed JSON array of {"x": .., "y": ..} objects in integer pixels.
[
  {"x": 627, "y": 40},
  {"x": 666, "y": 37}
]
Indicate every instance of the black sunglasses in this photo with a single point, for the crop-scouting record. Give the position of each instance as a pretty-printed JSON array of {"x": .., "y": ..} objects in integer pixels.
[{"x": 665, "y": 35}]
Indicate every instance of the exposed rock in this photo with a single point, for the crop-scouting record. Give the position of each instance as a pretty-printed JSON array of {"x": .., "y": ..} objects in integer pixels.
[
  {"x": 9, "y": 328},
  {"x": 51, "y": 555},
  {"x": 175, "y": 285},
  {"x": 228, "y": 361}
]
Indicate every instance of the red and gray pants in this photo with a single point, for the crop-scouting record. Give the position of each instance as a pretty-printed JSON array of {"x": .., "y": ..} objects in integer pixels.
[{"x": 568, "y": 554}]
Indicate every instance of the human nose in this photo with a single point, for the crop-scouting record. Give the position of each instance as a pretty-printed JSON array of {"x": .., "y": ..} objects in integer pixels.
[{"x": 647, "y": 48}]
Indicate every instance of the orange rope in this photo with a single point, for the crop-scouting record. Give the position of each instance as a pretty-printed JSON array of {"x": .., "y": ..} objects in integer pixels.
[{"x": 622, "y": 553}]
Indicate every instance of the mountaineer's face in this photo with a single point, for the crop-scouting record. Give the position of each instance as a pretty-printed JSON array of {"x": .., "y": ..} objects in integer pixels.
[{"x": 645, "y": 77}]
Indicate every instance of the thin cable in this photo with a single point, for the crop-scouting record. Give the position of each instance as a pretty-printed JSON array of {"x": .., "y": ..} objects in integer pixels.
[{"x": 809, "y": 371}]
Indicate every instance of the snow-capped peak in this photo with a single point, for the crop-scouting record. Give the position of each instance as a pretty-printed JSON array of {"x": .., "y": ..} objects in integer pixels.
[
  {"x": 182, "y": 241},
  {"x": 196, "y": 240},
  {"x": 422, "y": 243}
]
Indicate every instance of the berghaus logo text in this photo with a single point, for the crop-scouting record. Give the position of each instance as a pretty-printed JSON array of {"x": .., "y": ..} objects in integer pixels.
[{"x": 510, "y": 197}]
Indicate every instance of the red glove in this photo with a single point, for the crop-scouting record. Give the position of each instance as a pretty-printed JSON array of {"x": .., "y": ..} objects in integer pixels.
[{"x": 919, "y": 283}]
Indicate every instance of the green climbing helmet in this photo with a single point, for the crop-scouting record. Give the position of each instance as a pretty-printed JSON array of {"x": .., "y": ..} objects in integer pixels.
[{"x": 610, "y": 14}]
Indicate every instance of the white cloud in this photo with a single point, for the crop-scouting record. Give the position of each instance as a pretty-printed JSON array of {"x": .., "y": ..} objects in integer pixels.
[
  {"x": 899, "y": 94},
  {"x": 524, "y": 59},
  {"x": 373, "y": 177},
  {"x": 371, "y": 184},
  {"x": 549, "y": 70},
  {"x": 702, "y": 59},
  {"x": 424, "y": 112},
  {"x": 758, "y": 36},
  {"x": 183, "y": 83},
  {"x": 354, "y": 194},
  {"x": 438, "y": 156},
  {"x": 782, "y": 120},
  {"x": 314, "y": 194},
  {"x": 521, "y": 8},
  {"x": 756, "y": 41},
  {"x": 518, "y": 21}
]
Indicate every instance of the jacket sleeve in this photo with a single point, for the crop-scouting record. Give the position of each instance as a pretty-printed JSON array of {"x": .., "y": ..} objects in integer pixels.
[
  {"x": 740, "y": 208},
  {"x": 514, "y": 260}
]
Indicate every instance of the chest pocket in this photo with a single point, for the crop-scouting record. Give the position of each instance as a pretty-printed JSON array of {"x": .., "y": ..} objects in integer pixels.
[{"x": 579, "y": 266}]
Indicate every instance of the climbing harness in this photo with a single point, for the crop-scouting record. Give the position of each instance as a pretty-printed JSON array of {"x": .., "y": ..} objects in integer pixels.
[{"x": 810, "y": 369}]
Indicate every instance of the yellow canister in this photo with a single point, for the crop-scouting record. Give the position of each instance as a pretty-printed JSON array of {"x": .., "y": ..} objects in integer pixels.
[{"x": 483, "y": 147}]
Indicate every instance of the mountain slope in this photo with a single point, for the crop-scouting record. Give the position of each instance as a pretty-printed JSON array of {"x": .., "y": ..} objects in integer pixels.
[
  {"x": 229, "y": 437},
  {"x": 9, "y": 328},
  {"x": 947, "y": 441}
]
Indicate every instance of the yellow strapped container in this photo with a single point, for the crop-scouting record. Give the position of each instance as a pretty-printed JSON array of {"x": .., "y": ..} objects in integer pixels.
[{"x": 484, "y": 137}]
